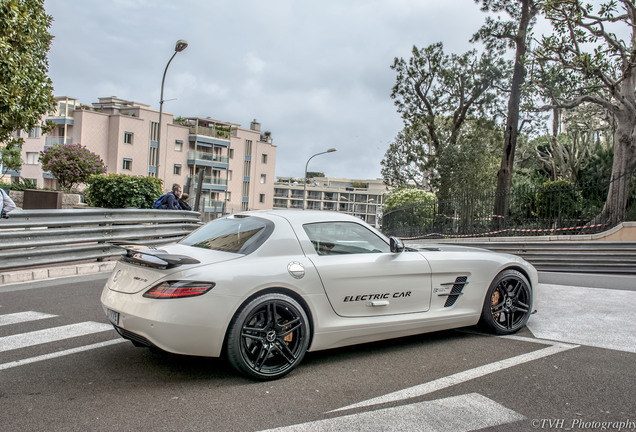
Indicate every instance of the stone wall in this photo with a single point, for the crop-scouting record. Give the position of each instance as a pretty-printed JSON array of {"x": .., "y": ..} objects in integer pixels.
[{"x": 69, "y": 201}]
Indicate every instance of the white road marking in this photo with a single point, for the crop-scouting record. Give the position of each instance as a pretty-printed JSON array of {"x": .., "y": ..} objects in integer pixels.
[
  {"x": 54, "y": 334},
  {"x": 458, "y": 413},
  {"x": 586, "y": 316},
  {"x": 59, "y": 354},
  {"x": 461, "y": 377},
  {"x": 20, "y": 317}
]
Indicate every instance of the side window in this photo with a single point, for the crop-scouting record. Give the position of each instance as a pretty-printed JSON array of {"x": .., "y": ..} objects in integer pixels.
[{"x": 338, "y": 238}]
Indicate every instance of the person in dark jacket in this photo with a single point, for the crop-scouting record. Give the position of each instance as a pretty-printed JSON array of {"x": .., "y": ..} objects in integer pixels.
[
  {"x": 172, "y": 198},
  {"x": 183, "y": 202}
]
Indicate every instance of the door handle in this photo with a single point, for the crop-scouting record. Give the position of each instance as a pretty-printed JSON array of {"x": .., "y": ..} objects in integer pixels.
[{"x": 378, "y": 303}]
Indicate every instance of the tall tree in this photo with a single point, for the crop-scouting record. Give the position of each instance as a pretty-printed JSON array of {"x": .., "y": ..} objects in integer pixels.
[
  {"x": 408, "y": 161},
  {"x": 499, "y": 35},
  {"x": 594, "y": 49},
  {"x": 583, "y": 132},
  {"x": 26, "y": 92},
  {"x": 436, "y": 93},
  {"x": 11, "y": 156}
]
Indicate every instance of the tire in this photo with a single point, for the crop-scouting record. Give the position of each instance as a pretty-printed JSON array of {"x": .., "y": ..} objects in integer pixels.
[
  {"x": 268, "y": 337},
  {"x": 508, "y": 303}
]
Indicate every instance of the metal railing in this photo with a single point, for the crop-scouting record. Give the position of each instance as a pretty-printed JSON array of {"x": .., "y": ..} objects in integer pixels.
[
  {"x": 219, "y": 132},
  {"x": 554, "y": 208},
  {"x": 569, "y": 255},
  {"x": 41, "y": 237}
]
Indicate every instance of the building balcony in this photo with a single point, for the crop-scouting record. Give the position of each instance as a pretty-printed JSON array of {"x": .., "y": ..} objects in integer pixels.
[
  {"x": 216, "y": 206},
  {"x": 218, "y": 132},
  {"x": 215, "y": 181},
  {"x": 51, "y": 141},
  {"x": 330, "y": 206},
  {"x": 207, "y": 157}
]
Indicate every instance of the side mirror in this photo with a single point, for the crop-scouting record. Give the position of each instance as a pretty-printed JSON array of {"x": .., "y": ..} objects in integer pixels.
[{"x": 397, "y": 245}]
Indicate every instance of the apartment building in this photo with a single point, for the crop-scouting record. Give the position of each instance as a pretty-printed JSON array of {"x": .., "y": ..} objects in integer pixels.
[
  {"x": 238, "y": 164},
  {"x": 361, "y": 198}
]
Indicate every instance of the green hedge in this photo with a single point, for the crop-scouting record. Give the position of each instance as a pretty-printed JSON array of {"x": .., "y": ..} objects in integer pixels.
[{"x": 122, "y": 191}]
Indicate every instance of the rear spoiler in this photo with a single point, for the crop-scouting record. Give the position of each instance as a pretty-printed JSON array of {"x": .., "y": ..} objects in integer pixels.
[{"x": 149, "y": 257}]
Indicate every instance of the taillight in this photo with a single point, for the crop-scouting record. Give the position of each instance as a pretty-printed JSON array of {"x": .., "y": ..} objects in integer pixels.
[{"x": 178, "y": 289}]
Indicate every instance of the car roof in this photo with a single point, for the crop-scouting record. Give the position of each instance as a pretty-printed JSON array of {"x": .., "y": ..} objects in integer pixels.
[{"x": 302, "y": 216}]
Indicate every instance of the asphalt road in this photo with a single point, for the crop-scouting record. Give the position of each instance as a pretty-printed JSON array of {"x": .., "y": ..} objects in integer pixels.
[{"x": 62, "y": 367}]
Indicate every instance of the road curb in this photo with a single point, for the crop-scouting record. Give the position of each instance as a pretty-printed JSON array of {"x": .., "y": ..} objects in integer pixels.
[{"x": 40, "y": 274}]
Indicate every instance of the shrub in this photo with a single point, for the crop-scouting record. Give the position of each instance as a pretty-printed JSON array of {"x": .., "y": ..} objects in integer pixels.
[
  {"x": 25, "y": 184},
  {"x": 121, "y": 191},
  {"x": 408, "y": 211},
  {"x": 558, "y": 200},
  {"x": 71, "y": 164},
  {"x": 404, "y": 197}
]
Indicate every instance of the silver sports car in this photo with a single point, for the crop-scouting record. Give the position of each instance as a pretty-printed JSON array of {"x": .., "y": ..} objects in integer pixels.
[{"x": 264, "y": 287}]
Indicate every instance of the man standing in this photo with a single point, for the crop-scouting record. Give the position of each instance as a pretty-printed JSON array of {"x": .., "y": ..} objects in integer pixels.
[{"x": 172, "y": 198}]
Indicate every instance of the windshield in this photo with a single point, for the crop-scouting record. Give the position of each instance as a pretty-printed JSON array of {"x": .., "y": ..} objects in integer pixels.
[{"x": 237, "y": 234}]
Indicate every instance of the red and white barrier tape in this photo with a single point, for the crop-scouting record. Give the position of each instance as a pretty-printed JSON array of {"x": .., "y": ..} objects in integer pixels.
[
  {"x": 477, "y": 219},
  {"x": 502, "y": 231}
]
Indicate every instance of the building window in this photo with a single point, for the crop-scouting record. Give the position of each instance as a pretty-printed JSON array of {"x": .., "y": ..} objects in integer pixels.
[
  {"x": 261, "y": 198},
  {"x": 177, "y": 169},
  {"x": 32, "y": 158},
  {"x": 34, "y": 133},
  {"x": 264, "y": 158},
  {"x": 263, "y": 178},
  {"x": 154, "y": 131},
  {"x": 229, "y": 175},
  {"x": 127, "y": 165},
  {"x": 178, "y": 145},
  {"x": 228, "y": 195},
  {"x": 152, "y": 157},
  {"x": 231, "y": 153},
  {"x": 128, "y": 137},
  {"x": 246, "y": 189},
  {"x": 244, "y": 206},
  {"x": 247, "y": 167},
  {"x": 248, "y": 147}
]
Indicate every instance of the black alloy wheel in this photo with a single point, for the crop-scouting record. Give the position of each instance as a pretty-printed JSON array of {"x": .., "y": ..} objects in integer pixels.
[
  {"x": 268, "y": 337},
  {"x": 508, "y": 303}
]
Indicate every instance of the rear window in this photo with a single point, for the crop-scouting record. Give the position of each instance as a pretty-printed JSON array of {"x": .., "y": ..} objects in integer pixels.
[{"x": 236, "y": 234}]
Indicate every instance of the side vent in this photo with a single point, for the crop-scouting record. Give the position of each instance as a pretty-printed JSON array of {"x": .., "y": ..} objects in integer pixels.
[{"x": 458, "y": 286}]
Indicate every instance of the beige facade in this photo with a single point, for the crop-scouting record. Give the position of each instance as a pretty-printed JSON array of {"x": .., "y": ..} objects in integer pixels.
[
  {"x": 124, "y": 134},
  {"x": 361, "y": 198},
  {"x": 252, "y": 173}
]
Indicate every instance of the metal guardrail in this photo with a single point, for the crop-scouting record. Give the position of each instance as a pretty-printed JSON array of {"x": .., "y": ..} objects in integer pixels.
[
  {"x": 606, "y": 257},
  {"x": 40, "y": 237}
]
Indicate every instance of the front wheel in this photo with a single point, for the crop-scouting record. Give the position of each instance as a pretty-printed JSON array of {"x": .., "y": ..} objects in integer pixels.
[
  {"x": 268, "y": 337},
  {"x": 508, "y": 303}
]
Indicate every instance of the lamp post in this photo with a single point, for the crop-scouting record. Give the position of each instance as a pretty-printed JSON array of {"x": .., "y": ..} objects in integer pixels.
[
  {"x": 331, "y": 150},
  {"x": 180, "y": 46}
]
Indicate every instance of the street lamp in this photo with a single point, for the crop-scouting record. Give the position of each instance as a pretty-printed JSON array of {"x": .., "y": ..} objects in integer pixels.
[
  {"x": 180, "y": 46},
  {"x": 331, "y": 150}
]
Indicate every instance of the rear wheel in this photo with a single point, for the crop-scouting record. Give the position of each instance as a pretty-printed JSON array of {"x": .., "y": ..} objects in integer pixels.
[
  {"x": 268, "y": 337},
  {"x": 508, "y": 303}
]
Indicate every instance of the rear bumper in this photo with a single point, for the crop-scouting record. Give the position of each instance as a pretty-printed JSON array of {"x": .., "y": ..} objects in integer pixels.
[{"x": 190, "y": 326}]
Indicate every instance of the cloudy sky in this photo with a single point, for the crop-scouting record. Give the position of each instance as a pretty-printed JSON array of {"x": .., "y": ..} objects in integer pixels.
[{"x": 314, "y": 73}]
